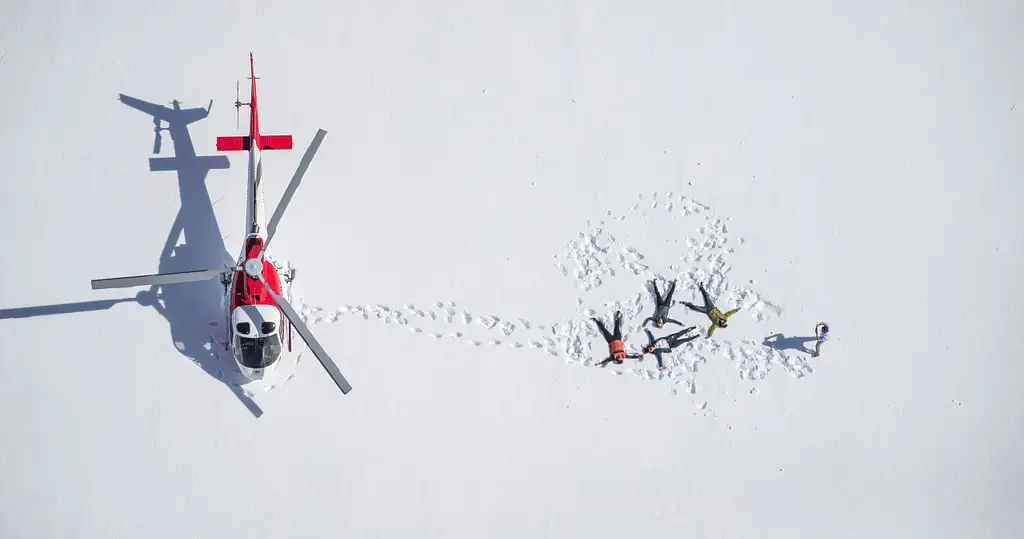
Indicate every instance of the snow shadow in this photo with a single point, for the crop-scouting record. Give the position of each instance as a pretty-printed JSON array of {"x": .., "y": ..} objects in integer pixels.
[
  {"x": 780, "y": 342},
  {"x": 194, "y": 311}
]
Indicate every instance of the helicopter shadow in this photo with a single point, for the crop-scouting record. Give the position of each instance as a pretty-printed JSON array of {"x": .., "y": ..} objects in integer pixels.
[{"x": 194, "y": 311}]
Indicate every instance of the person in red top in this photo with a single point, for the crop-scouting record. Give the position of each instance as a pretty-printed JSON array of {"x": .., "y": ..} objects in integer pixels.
[{"x": 616, "y": 350}]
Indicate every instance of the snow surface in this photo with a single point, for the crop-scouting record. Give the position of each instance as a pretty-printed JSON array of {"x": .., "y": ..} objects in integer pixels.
[{"x": 494, "y": 174}]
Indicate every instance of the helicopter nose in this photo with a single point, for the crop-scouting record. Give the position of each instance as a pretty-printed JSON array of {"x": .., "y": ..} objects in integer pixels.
[{"x": 252, "y": 374}]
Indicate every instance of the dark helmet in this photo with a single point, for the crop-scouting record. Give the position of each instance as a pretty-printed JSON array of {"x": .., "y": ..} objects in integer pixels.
[
  {"x": 824, "y": 328},
  {"x": 722, "y": 323}
]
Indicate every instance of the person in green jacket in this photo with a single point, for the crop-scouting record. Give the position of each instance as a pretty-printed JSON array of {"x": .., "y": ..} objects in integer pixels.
[{"x": 718, "y": 319}]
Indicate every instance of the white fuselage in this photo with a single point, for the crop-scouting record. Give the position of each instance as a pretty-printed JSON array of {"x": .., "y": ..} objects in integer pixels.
[
  {"x": 255, "y": 216},
  {"x": 252, "y": 317}
]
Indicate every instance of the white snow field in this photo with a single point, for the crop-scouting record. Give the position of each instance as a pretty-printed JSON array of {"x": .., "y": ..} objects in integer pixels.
[{"x": 494, "y": 174}]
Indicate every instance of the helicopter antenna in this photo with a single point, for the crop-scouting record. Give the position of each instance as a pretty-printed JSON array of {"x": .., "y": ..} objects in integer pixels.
[{"x": 237, "y": 103}]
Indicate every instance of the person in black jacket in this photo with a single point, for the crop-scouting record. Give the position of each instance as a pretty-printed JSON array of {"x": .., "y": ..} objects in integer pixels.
[
  {"x": 674, "y": 340},
  {"x": 662, "y": 306}
]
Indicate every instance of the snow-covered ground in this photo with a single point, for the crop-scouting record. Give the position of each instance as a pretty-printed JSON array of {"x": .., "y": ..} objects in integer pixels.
[{"x": 494, "y": 174}]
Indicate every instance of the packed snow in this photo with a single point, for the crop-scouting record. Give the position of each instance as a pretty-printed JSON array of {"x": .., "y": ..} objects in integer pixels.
[{"x": 495, "y": 175}]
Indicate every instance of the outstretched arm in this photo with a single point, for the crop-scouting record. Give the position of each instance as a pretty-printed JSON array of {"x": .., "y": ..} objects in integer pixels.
[
  {"x": 646, "y": 320},
  {"x": 730, "y": 313},
  {"x": 671, "y": 321},
  {"x": 650, "y": 337},
  {"x": 661, "y": 361},
  {"x": 711, "y": 330}
]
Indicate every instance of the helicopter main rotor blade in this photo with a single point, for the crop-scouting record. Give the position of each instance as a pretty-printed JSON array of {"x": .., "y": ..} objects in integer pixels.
[
  {"x": 307, "y": 158},
  {"x": 158, "y": 278},
  {"x": 314, "y": 345}
]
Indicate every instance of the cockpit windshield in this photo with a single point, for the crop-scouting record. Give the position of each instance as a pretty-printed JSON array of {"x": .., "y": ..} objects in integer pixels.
[{"x": 259, "y": 352}]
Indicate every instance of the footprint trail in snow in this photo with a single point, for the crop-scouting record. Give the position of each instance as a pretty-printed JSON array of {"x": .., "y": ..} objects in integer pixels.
[{"x": 592, "y": 260}]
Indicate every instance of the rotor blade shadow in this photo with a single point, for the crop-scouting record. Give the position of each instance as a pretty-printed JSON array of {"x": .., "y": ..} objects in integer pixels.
[{"x": 62, "y": 308}]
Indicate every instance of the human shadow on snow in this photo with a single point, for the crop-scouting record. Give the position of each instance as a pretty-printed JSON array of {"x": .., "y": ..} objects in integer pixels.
[{"x": 781, "y": 343}]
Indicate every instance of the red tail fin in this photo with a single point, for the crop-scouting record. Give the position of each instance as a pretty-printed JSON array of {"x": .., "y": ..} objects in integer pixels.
[
  {"x": 264, "y": 142},
  {"x": 241, "y": 144}
]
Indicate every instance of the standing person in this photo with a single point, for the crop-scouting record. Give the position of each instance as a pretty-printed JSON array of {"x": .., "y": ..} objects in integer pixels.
[
  {"x": 820, "y": 335},
  {"x": 717, "y": 318},
  {"x": 662, "y": 306},
  {"x": 616, "y": 350},
  {"x": 673, "y": 341}
]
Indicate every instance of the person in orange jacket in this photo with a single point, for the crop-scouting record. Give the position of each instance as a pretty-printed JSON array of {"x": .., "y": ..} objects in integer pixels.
[
  {"x": 616, "y": 350},
  {"x": 718, "y": 319}
]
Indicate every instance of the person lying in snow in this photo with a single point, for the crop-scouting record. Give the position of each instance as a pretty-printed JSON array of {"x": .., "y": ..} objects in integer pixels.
[
  {"x": 662, "y": 306},
  {"x": 616, "y": 350},
  {"x": 717, "y": 318},
  {"x": 673, "y": 341}
]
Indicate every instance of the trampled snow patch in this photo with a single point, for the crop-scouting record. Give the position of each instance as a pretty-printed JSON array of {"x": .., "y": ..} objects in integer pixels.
[{"x": 594, "y": 258}]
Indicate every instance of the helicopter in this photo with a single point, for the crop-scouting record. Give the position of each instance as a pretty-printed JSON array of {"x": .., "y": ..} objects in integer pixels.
[{"x": 260, "y": 318}]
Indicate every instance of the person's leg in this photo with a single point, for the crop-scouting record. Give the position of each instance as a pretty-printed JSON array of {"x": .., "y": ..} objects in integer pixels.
[
  {"x": 668, "y": 295},
  {"x": 679, "y": 341},
  {"x": 708, "y": 304},
  {"x": 617, "y": 334},
  {"x": 604, "y": 330},
  {"x": 657, "y": 295},
  {"x": 701, "y": 310},
  {"x": 678, "y": 334},
  {"x": 817, "y": 348}
]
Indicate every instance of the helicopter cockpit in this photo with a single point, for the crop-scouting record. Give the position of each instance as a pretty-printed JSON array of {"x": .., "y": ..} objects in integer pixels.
[{"x": 255, "y": 335}]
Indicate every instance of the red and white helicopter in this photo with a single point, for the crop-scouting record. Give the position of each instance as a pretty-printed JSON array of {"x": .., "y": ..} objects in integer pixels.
[{"x": 258, "y": 313}]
